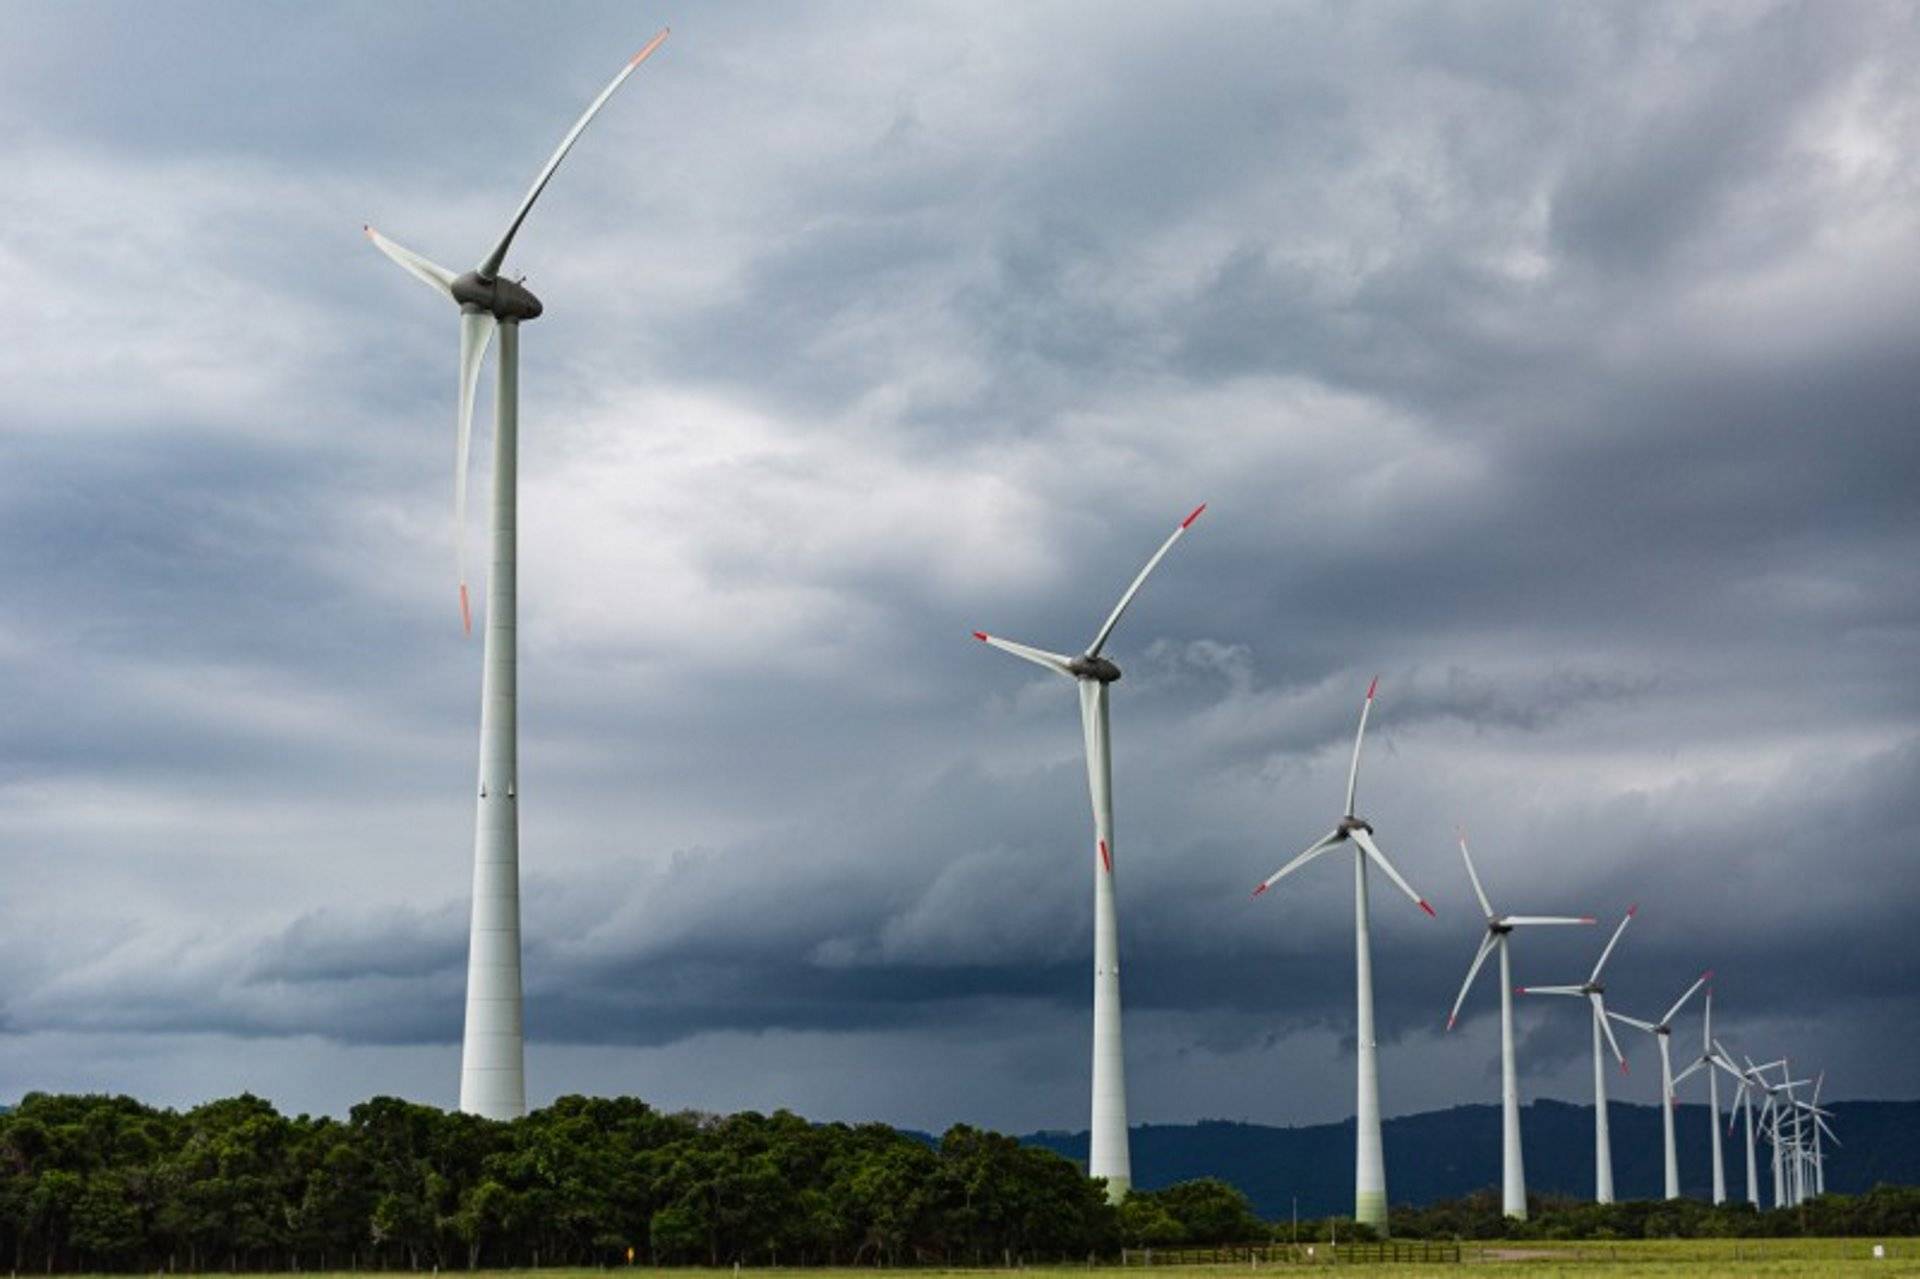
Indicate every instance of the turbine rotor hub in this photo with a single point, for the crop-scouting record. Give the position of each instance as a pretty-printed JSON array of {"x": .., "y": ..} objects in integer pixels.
[
  {"x": 1350, "y": 823},
  {"x": 1499, "y": 927},
  {"x": 1098, "y": 669},
  {"x": 505, "y": 300}
]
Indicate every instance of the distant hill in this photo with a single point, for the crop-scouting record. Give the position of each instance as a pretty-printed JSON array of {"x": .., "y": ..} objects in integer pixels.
[{"x": 1442, "y": 1154}]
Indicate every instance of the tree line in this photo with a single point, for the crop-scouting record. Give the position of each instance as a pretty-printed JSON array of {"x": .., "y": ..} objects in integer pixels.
[
  {"x": 1883, "y": 1212},
  {"x": 90, "y": 1183},
  {"x": 108, "y": 1184}
]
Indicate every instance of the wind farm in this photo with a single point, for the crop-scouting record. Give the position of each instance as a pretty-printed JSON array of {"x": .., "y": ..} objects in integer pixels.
[{"x": 1543, "y": 372}]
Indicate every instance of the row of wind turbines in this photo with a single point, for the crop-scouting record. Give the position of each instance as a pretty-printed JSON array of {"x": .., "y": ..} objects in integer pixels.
[
  {"x": 1794, "y": 1128},
  {"x": 492, "y": 1057}
]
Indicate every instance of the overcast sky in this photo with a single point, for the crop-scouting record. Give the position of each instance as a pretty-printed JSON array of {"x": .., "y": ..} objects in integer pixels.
[{"x": 1555, "y": 363}]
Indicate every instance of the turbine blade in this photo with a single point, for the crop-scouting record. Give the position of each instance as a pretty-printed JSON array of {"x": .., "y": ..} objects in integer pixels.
[
  {"x": 1613, "y": 941},
  {"x": 1487, "y": 943},
  {"x": 1379, "y": 859},
  {"x": 1353, "y": 769},
  {"x": 1551, "y": 990},
  {"x": 1093, "y": 723},
  {"x": 1601, "y": 1014},
  {"x": 1536, "y": 920},
  {"x": 428, "y": 272},
  {"x": 490, "y": 265},
  {"x": 1647, "y": 1026},
  {"x": 1306, "y": 855},
  {"x": 1472, "y": 875},
  {"x": 1055, "y": 662},
  {"x": 1679, "y": 1003},
  {"x": 1706, "y": 1027},
  {"x": 1113, "y": 618},
  {"x": 476, "y": 330},
  {"x": 1688, "y": 1071}
]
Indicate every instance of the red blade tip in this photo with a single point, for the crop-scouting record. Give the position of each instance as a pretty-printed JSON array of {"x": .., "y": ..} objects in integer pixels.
[
  {"x": 1188, "y": 522},
  {"x": 1450, "y": 1023},
  {"x": 1588, "y": 919},
  {"x": 1372, "y": 686},
  {"x": 1633, "y": 910},
  {"x": 1427, "y": 908},
  {"x": 980, "y": 635},
  {"x": 1519, "y": 990},
  {"x": 1707, "y": 976},
  {"x": 1106, "y": 859},
  {"x": 1623, "y": 1067},
  {"x": 466, "y": 613},
  {"x": 650, "y": 46},
  {"x": 1259, "y": 890}
]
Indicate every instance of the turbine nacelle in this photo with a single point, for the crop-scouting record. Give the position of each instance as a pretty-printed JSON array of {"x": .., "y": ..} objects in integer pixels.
[
  {"x": 1350, "y": 824},
  {"x": 1098, "y": 669},
  {"x": 508, "y": 301}
]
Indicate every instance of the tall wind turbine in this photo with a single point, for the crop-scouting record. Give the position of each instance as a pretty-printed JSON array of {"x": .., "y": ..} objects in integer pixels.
[
  {"x": 1596, "y": 996},
  {"x": 1369, "y": 1161},
  {"x": 1707, "y": 1061},
  {"x": 1662, "y": 1031},
  {"x": 492, "y": 1057},
  {"x": 1743, "y": 1099},
  {"x": 1513, "y": 1173},
  {"x": 1107, "y": 1154}
]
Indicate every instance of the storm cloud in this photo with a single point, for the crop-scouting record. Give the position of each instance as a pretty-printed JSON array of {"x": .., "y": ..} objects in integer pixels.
[{"x": 1554, "y": 364}]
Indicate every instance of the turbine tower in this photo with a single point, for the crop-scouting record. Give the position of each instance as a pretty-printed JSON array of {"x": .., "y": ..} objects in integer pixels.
[
  {"x": 1662, "y": 1031},
  {"x": 1369, "y": 1161},
  {"x": 492, "y": 1056},
  {"x": 1107, "y": 1141},
  {"x": 1596, "y": 996},
  {"x": 1513, "y": 1173}
]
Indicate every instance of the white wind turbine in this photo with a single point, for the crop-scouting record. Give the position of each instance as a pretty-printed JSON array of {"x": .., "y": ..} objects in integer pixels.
[
  {"x": 1369, "y": 1164},
  {"x": 1662, "y": 1031},
  {"x": 1771, "y": 1112},
  {"x": 1819, "y": 1119},
  {"x": 1596, "y": 996},
  {"x": 1706, "y": 1061},
  {"x": 1513, "y": 1175},
  {"x": 1746, "y": 1083},
  {"x": 1743, "y": 1100},
  {"x": 492, "y": 1057},
  {"x": 1107, "y": 1154}
]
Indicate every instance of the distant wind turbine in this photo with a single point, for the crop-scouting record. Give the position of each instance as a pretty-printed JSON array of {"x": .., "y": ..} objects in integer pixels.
[
  {"x": 1369, "y": 1164},
  {"x": 492, "y": 1057},
  {"x": 1513, "y": 1174},
  {"x": 1596, "y": 996},
  {"x": 1107, "y": 1154},
  {"x": 1706, "y": 1061},
  {"x": 1662, "y": 1031}
]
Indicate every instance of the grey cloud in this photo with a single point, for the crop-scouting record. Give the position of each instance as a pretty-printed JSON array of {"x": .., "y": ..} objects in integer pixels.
[{"x": 1552, "y": 363}]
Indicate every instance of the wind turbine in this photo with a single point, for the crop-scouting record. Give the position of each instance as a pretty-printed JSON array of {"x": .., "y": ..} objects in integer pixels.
[
  {"x": 1596, "y": 996},
  {"x": 1513, "y": 1175},
  {"x": 1663, "y": 1032},
  {"x": 1705, "y": 1061},
  {"x": 1369, "y": 1163},
  {"x": 1107, "y": 1141},
  {"x": 1819, "y": 1124},
  {"x": 492, "y": 1056},
  {"x": 1742, "y": 1098}
]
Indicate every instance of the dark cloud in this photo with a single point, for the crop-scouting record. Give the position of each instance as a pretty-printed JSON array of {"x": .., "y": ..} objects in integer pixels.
[{"x": 1551, "y": 363}]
